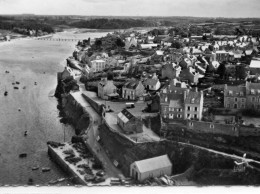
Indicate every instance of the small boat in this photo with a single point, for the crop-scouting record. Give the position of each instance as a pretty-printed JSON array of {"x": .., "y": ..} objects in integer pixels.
[
  {"x": 13, "y": 83},
  {"x": 35, "y": 167},
  {"x": 35, "y": 83},
  {"x": 46, "y": 169},
  {"x": 17, "y": 82},
  {"x": 6, "y": 93},
  {"x": 52, "y": 182},
  {"x": 16, "y": 88},
  {"x": 61, "y": 179},
  {"x": 19, "y": 109},
  {"x": 24, "y": 87},
  {"x": 25, "y": 133},
  {"x": 23, "y": 155}
]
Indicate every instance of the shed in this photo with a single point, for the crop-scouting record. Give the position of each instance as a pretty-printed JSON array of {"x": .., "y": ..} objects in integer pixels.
[{"x": 152, "y": 167}]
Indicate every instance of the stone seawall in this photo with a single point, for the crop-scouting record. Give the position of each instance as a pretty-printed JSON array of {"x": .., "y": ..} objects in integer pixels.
[
  {"x": 64, "y": 166},
  {"x": 75, "y": 113}
]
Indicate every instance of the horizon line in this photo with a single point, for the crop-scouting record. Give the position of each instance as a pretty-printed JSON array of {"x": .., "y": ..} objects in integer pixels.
[{"x": 212, "y": 17}]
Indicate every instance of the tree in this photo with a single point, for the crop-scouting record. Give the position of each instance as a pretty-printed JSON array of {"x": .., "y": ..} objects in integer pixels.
[
  {"x": 176, "y": 44},
  {"x": 221, "y": 70},
  {"x": 241, "y": 72}
]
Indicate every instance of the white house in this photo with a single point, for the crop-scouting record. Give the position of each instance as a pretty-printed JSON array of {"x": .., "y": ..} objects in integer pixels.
[
  {"x": 152, "y": 167},
  {"x": 98, "y": 65}
]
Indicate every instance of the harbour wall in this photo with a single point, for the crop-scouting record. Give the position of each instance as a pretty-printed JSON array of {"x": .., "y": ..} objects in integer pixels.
[{"x": 65, "y": 167}]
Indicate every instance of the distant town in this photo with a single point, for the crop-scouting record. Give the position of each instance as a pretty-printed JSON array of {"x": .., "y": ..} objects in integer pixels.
[{"x": 162, "y": 105}]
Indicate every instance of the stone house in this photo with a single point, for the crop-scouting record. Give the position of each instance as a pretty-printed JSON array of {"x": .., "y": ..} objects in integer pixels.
[
  {"x": 132, "y": 90},
  {"x": 129, "y": 123},
  {"x": 242, "y": 97},
  {"x": 152, "y": 83},
  {"x": 179, "y": 102},
  {"x": 189, "y": 75}
]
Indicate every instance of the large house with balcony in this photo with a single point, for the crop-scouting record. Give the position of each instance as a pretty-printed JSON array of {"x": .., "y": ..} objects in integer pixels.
[
  {"x": 98, "y": 65},
  {"x": 242, "y": 97}
]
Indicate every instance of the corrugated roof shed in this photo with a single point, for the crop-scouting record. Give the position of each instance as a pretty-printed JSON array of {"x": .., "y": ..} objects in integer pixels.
[{"x": 153, "y": 163}]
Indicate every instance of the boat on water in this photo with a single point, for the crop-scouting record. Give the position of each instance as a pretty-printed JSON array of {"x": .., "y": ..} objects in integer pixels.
[
  {"x": 23, "y": 155},
  {"x": 35, "y": 167},
  {"x": 5, "y": 93},
  {"x": 46, "y": 169},
  {"x": 61, "y": 179},
  {"x": 52, "y": 182},
  {"x": 16, "y": 88}
]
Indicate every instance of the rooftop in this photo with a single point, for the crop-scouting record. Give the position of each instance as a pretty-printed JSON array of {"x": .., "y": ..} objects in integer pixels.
[{"x": 153, "y": 163}]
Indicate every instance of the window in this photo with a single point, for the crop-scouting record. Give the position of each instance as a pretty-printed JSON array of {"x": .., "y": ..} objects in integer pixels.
[
  {"x": 230, "y": 92},
  {"x": 252, "y": 91},
  {"x": 188, "y": 108},
  {"x": 166, "y": 99},
  {"x": 195, "y": 116},
  {"x": 195, "y": 109},
  {"x": 253, "y": 99},
  {"x": 235, "y": 99},
  {"x": 180, "y": 110},
  {"x": 242, "y": 100},
  {"x": 234, "y": 128},
  {"x": 191, "y": 123},
  {"x": 178, "y": 116},
  {"x": 241, "y": 94},
  {"x": 211, "y": 126},
  {"x": 188, "y": 116}
]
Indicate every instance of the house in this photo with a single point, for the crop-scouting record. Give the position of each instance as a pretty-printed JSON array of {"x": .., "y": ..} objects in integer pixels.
[
  {"x": 242, "y": 97},
  {"x": 130, "y": 42},
  {"x": 129, "y": 123},
  {"x": 253, "y": 95},
  {"x": 222, "y": 56},
  {"x": 178, "y": 102},
  {"x": 193, "y": 104},
  {"x": 132, "y": 90},
  {"x": 189, "y": 75},
  {"x": 152, "y": 83},
  {"x": 98, "y": 65},
  {"x": 106, "y": 88},
  {"x": 152, "y": 167},
  {"x": 148, "y": 46},
  {"x": 254, "y": 67},
  {"x": 170, "y": 71}
]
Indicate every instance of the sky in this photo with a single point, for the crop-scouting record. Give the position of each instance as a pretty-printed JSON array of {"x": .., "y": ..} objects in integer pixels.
[{"x": 197, "y": 8}]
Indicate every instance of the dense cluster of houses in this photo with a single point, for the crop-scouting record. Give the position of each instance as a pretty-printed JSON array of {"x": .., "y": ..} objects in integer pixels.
[{"x": 153, "y": 66}]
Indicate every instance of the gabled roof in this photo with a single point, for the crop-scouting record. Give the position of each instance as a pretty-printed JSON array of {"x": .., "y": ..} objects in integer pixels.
[
  {"x": 151, "y": 82},
  {"x": 176, "y": 103},
  {"x": 254, "y": 64},
  {"x": 125, "y": 115},
  {"x": 193, "y": 97},
  {"x": 153, "y": 163},
  {"x": 131, "y": 84}
]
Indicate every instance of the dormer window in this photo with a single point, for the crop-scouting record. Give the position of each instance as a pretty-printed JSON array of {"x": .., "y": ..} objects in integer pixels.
[
  {"x": 252, "y": 91},
  {"x": 192, "y": 100},
  {"x": 166, "y": 99},
  {"x": 230, "y": 92},
  {"x": 241, "y": 94}
]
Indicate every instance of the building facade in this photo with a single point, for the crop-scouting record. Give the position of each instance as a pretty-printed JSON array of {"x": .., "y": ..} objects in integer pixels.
[
  {"x": 242, "y": 97},
  {"x": 98, "y": 65},
  {"x": 132, "y": 90}
]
